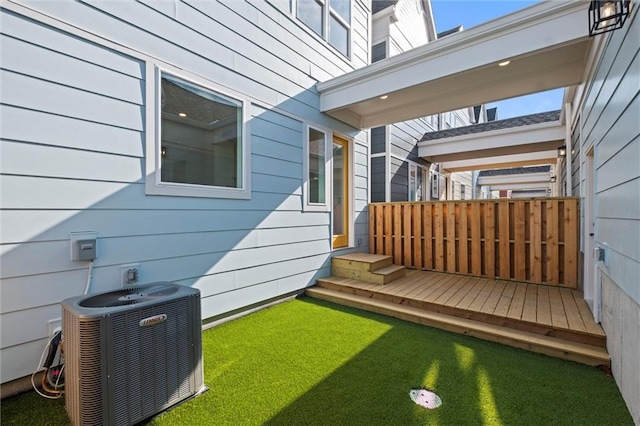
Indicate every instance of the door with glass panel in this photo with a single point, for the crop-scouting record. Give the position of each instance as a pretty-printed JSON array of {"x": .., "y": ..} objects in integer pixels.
[{"x": 340, "y": 192}]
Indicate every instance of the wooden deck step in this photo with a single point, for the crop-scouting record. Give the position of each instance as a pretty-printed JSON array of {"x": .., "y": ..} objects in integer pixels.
[
  {"x": 573, "y": 351},
  {"x": 366, "y": 267},
  {"x": 483, "y": 300}
]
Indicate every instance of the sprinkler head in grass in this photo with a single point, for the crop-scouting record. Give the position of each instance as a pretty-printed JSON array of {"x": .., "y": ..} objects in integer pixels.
[{"x": 425, "y": 398}]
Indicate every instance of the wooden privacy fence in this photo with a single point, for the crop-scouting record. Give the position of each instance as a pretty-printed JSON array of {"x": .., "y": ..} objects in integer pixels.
[{"x": 534, "y": 240}]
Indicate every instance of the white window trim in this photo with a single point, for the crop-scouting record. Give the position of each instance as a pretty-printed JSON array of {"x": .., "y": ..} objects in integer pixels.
[
  {"x": 153, "y": 184},
  {"x": 327, "y": 13},
  {"x": 306, "y": 205}
]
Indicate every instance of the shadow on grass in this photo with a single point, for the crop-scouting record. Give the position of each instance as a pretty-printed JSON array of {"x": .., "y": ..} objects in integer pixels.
[
  {"x": 479, "y": 382},
  {"x": 310, "y": 362}
]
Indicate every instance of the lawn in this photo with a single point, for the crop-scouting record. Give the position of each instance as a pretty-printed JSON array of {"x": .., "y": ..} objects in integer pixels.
[{"x": 307, "y": 362}]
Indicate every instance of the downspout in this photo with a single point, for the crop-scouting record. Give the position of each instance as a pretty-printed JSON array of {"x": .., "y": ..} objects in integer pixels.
[{"x": 567, "y": 142}]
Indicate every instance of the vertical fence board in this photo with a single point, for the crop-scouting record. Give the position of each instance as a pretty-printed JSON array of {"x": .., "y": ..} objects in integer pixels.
[
  {"x": 463, "y": 249},
  {"x": 476, "y": 242},
  {"x": 379, "y": 218},
  {"x": 397, "y": 234},
  {"x": 438, "y": 222},
  {"x": 417, "y": 235},
  {"x": 388, "y": 230},
  {"x": 519, "y": 261},
  {"x": 451, "y": 237},
  {"x": 427, "y": 230},
  {"x": 571, "y": 231},
  {"x": 504, "y": 242},
  {"x": 535, "y": 240},
  {"x": 552, "y": 241},
  {"x": 535, "y": 248},
  {"x": 489, "y": 240},
  {"x": 407, "y": 233}
]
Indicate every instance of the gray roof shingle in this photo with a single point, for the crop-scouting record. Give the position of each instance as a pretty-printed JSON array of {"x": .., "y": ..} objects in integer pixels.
[
  {"x": 525, "y": 120},
  {"x": 449, "y": 32},
  {"x": 515, "y": 171},
  {"x": 378, "y": 5}
]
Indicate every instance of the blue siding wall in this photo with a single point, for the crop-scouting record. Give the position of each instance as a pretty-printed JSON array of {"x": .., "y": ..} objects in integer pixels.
[
  {"x": 73, "y": 157},
  {"x": 610, "y": 122}
]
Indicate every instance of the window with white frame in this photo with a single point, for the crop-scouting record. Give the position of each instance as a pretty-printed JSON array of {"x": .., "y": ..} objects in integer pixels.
[
  {"x": 330, "y": 19},
  {"x": 316, "y": 191},
  {"x": 199, "y": 148},
  {"x": 417, "y": 187}
]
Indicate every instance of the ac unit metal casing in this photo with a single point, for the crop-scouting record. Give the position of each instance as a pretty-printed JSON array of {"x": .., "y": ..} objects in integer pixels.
[{"x": 131, "y": 353}]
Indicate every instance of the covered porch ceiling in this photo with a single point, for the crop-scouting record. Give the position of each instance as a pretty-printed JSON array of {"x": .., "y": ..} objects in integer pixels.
[{"x": 546, "y": 45}]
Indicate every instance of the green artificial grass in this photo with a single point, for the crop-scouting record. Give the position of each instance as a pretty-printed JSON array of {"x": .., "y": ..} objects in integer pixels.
[{"x": 308, "y": 362}]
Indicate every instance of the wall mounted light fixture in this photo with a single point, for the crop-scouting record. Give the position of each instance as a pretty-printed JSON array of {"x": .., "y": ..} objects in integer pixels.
[
  {"x": 607, "y": 15},
  {"x": 562, "y": 151}
]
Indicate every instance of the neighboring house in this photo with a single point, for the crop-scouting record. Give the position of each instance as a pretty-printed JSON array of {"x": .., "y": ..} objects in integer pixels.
[
  {"x": 544, "y": 46},
  {"x": 397, "y": 172},
  {"x": 186, "y": 137}
]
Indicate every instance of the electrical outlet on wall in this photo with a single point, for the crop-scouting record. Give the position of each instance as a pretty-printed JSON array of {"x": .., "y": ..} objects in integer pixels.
[
  {"x": 130, "y": 274},
  {"x": 53, "y": 326}
]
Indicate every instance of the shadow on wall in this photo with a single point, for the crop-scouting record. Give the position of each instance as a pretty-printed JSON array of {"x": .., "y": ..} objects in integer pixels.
[{"x": 74, "y": 161}]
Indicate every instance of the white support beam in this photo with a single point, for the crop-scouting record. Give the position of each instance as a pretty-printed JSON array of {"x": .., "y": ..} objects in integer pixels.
[
  {"x": 512, "y": 141},
  {"x": 524, "y": 180},
  {"x": 519, "y": 187},
  {"x": 546, "y": 44},
  {"x": 502, "y": 161}
]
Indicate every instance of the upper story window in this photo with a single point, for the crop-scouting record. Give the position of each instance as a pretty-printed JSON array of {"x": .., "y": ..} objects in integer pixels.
[
  {"x": 199, "y": 147},
  {"x": 330, "y": 19},
  {"x": 378, "y": 52}
]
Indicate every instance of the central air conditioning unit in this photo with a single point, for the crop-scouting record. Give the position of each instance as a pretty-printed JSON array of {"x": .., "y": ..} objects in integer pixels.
[{"x": 131, "y": 353}]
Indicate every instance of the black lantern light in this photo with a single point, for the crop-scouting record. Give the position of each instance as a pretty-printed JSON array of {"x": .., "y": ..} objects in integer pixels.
[{"x": 607, "y": 15}]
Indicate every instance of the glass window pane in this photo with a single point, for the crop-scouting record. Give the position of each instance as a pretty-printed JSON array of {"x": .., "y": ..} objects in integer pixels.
[
  {"x": 310, "y": 12},
  {"x": 316, "y": 167},
  {"x": 201, "y": 135},
  {"x": 342, "y": 8},
  {"x": 339, "y": 197},
  {"x": 338, "y": 36},
  {"x": 419, "y": 183}
]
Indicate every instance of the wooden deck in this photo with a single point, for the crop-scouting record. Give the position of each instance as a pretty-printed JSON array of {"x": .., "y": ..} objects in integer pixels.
[{"x": 515, "y": 313}]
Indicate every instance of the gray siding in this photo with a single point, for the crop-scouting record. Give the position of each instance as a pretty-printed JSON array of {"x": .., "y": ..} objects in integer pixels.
[
  {"x": 73, "y": 146},
  {"x": 378, "y": 139},
  {"x": 378, "y": 178},
  {"x": 610, "y": 122},
  {"x": 399, "y": 180}
]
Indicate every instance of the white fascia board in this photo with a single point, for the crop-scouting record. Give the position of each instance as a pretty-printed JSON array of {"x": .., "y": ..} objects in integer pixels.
[
  {"x": 502, "y": 161},
  {"x": 536, "y": 28},
  {"x": 519, "y": 179},
  {"x": 503, "y": 138},
  {"x": 520, "y": 187}
]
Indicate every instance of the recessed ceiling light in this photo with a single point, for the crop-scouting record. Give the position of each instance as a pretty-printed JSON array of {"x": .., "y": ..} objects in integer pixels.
[
  {"x": 182, "y": 114},
  {"x": 384, "y": 96},
  {"x": 504, "y": 63}
]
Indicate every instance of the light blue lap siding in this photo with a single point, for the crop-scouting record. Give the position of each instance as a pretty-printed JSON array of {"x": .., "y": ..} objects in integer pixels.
[{"x": 74, "y": 139}]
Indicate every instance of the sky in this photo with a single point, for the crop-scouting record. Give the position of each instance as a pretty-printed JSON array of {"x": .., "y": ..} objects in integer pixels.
[{"x": 469, "y": 13}]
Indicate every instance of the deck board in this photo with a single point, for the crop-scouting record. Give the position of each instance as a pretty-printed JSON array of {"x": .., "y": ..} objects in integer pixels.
[
  {"x": 534, "y": 308},
  {"x": 574, "y": 319},
  {"x": 490, "y": 305},
  {"x": 530, "y": 304},
  {"x": 558, "y": 316},
  {"x": 482, "y": 296}
]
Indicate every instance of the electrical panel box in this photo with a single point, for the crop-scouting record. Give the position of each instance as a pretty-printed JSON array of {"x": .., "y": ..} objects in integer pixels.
[
  {"x": 86, "y": 249},
  {"x": 88, "y": 241}
]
